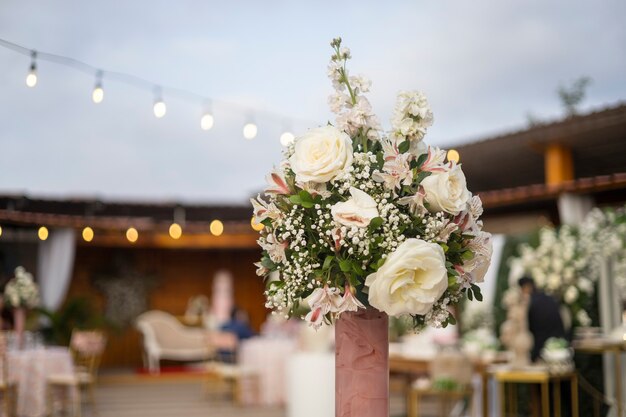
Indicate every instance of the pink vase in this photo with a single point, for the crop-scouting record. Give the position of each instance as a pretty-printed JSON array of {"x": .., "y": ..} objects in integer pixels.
[
  {"x": 19, "y": 322},
  {"x": 362, "y": 364}
]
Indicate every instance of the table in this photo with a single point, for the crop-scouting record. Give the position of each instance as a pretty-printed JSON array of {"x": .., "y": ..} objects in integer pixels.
[
  {"x": 599, "y": 347},
  {"x": 268, "y": 359},
  {"x": 30, "y": 368},
  {"x": 544, "y": 378},
  {"x": 304, "y": 371}
]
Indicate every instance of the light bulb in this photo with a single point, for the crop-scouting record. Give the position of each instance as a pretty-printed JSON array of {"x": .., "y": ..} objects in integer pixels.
[
  {"x": 256, "y": 226},
  {"x": 216, "y": 227},
  {"x": 43, "y": 233},
  {"x": 286, "y": 138},
  {"x": 249, "y": 131},
  {"x": 132, "y": 234},
  {"x": 159, "y": 108},
  {"x": 98, "y": 94},
  {"x": 453, "y": 155},
  {"x": 175, "y": 231},
  {"x": 31, "y": 78},
  {"x": 0, "y": 230},
  {"x": 206, "y": 122},
  {"x": 87, "y": 234}
]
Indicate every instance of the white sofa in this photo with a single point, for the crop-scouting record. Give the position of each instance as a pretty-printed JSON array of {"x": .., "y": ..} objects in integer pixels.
[{"x": 164, "y": 337}]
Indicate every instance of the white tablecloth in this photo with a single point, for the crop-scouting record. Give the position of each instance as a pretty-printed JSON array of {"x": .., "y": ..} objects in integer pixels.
[
  {"x": 30, "y": 368},
  {"x": 268, "y": 359},
  {"x": 308, "y": 373}
]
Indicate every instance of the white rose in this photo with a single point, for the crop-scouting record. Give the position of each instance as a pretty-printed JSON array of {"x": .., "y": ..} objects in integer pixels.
[
  {"x": 411, "y": 280},
  {"x": 321, "y": 154},
  {"x": 357, "y": 211},
  {"x": 447, "y": 190}
]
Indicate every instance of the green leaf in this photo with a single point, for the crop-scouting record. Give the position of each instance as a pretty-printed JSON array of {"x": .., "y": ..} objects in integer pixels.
[
  {"x": 295, "y": 199},
  {"x": 375, "y": 223},
  {"x": 477, "y": 294},
  {"x": 422, "y": 158},
  {"x": 404, "y": 146},
  {"x": 470, "y": 295},
  {"x": 357, "y": 269},
  {"x": 420, "y": 177},
  {"x": 345, "y": 265},
  {"x": 327, "y": 262},
  {"x": 451, "y": 319},
  {"x": 307, "y": 204},
  {"x": 467, "y": 255},
  {"x": 305, "y": 196},
  {"x": 444, "y": 247}
]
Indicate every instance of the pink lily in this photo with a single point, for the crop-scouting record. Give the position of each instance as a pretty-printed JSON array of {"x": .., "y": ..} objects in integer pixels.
[{"x": 277, "y": 183}]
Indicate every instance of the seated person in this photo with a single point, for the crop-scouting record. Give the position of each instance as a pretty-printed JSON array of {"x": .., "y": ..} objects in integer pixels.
[
  {"x": 238, "y": 324},
  {"x": 544, "y": 317}
]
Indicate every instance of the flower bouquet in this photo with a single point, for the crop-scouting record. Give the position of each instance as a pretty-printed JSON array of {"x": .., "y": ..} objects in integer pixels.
[
  {"x": 560, "y": 266},
  {"x": 360, "y": 224},
  {"x": 20, "y": 294}
]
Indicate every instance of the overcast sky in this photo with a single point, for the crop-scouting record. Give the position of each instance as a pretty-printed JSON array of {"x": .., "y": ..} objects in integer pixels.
[{"x": 483, "y": 64}]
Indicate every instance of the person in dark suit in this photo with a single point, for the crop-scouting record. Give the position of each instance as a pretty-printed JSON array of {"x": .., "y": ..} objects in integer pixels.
[{"x": 544, "y": 316}]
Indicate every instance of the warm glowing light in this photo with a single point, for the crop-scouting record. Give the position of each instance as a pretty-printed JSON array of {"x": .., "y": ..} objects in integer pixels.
[
  {"x": 43, "y": 233},
  {"x": 206, "y": 123},
  {"x": 87, "y": 234},
  {"x": 132, "y": 234},
  {"x": 31, "y": 78},
  {"x": 0, "y": 230},
  {"x": 249, "y": 131},
  {"x": 256, "y": 226},
  {"x": 216, "y": 227},
  {"x": 159, "y": 108},
  {"x": 286, "y": 138},
  {"x": 98, "y": 94},
  {"x": 453, "y": 155},
  {"x": 176, "y": 231}
]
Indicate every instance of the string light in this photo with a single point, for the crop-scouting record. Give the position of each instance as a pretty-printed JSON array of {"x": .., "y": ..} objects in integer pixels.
[
  {"x": 256, "y": 226},
  {"x": 176, "y": 231},
  {"x": 287, "y": 138},
  {"x": 207, "y": 120},
  {"x": 0, "y": 230},
  {"x": 206, "y": 123},
  {"x": 42, "y": 233},
  {"x": 249, "y": 131},
  {"x": 97, "y": 95},
  {"x": 216, "y": 227},
  {"x": 88, "y": 234},
  {"x": 453, "y": 155},
  {"x": 159, "y": 107},
  {"x": 132, "y": 234},
  {"x": 31, "y": 78}
]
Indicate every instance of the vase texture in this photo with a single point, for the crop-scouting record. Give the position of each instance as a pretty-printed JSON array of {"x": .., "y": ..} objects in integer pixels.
[{"x": 362, "y": 364}]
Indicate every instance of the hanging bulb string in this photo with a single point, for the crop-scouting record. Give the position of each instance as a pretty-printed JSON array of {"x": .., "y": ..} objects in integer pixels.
[{"x": 139, "y": 82}]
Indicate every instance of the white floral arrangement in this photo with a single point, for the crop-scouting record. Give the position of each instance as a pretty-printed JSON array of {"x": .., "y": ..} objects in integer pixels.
[
  {"x": 355, "y": 216},
  {"x": 559, "y": 265},
  {"x": 603, "y": 236},
  {"x": 21, "y": 291}
]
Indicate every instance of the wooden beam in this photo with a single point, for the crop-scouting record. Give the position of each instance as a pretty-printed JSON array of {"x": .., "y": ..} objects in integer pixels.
[
  {"x": 164, "y": 241},
  {"x": 558, "y": 163}
]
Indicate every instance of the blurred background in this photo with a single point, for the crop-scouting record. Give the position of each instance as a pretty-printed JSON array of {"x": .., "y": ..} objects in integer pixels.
[{"x": 132, "y": 135}]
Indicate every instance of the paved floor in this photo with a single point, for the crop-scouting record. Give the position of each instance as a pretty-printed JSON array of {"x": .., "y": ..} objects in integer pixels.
[{"x": 130, "y": 396}]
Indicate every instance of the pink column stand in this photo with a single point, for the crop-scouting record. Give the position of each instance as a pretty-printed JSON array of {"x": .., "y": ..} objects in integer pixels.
[
  {"x": 19, "y": 322},
  {"x": 362, "y": 364}
]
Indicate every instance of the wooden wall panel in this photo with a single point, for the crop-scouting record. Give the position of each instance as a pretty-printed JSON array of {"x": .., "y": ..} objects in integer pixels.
[{"x": 180, "y": 274}]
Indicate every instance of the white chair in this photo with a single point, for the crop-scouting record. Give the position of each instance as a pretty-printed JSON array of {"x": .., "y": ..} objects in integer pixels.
[
  {"x": 164, "y": 337},
  {"x": 87, "y": 347}
]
